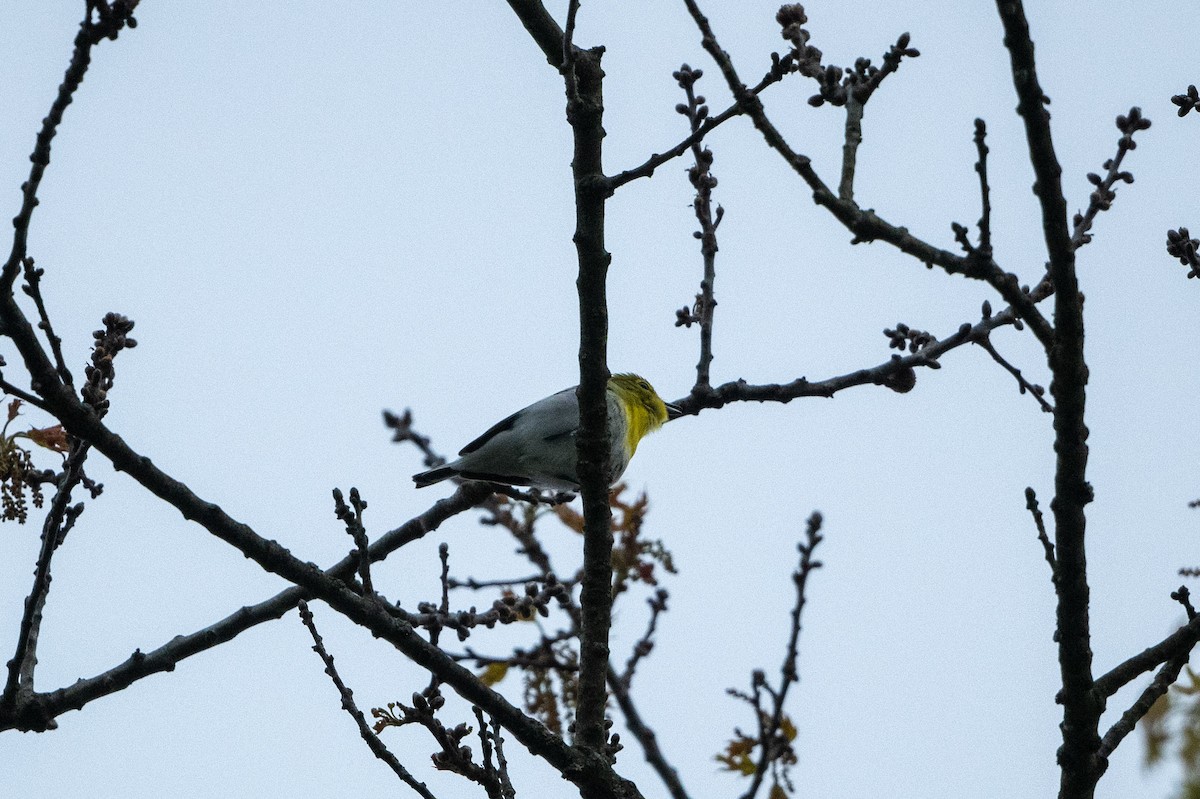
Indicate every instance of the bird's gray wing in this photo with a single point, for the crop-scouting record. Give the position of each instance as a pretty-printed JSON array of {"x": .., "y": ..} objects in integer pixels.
[{"x": 552, "y": 414}]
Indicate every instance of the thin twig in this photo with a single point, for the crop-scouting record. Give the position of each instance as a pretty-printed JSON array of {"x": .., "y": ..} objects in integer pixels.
[
  {"x": 861, "y": 83},
  {"x": 1102, "y": 196},
  {"x": 475, "y": 585},
  {"x": 1162, "y": 681},
  {"x": 112, "y": 18},
  {"x": 645, "y": 737},
  {"x": 59, "y": 519},
  {"x": 444, "y": 607},
  {"x": 780, "y": 68},
  {"x": 1024, "y": 385},
  {"x": 33, "y": 287},
  {"x": 1177, "y": 644},
  {"x": 351, "y": 516},
  {"x": 1031, "y": 504},
  {"x": 377, "y": 746},
  {"x": 12, "y": 391},
  {"x": 506, "y": 787},
  {"x": 985, "y": 202},
  {"x": 769, "y": 727},
  {"x": 867, "y": 225},
  {"x": 643, "y": 646},
  {"x": 166, "y": 657},
  {"x": 703, "y": 181},
  {"x": 569, "y": 33},
  {"x": 883, "y": 374},
  {"x": 541, "y": 657}
]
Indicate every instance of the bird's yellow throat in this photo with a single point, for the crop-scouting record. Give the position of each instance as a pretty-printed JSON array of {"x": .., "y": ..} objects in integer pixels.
[{"x": 644, "y": 410}]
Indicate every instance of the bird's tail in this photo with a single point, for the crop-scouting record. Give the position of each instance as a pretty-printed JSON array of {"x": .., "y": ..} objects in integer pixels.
[{"x": 433, "y": 476}]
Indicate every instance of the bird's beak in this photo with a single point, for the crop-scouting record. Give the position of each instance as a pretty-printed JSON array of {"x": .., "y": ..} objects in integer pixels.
[{"x": 673, "y": 411}]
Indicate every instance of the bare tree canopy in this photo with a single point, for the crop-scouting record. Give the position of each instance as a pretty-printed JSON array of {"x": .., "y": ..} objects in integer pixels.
[{"x": 925, "y": 269}]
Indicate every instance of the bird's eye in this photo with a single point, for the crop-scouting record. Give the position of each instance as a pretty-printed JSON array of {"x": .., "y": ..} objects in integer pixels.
[{"x": 643, "y": 385}]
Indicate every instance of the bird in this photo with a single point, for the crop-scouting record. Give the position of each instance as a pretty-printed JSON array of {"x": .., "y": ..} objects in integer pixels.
[{"x": 535, "y": 446}]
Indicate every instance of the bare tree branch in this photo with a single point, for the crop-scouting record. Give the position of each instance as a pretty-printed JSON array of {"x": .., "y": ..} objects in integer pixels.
[
  {"x": 1078, "y": 756},
  {"x": 771, "y": 721},
  {"x": 895, "y": 373},
  {"x": 19, "y": 687},
  {"x": 1031, "y": 504},
  {"x": 46, "y": 706},
  {"x": 110, "y": 19},
  {"x": 33, "y": 287},
  {"x": 1036, "y": 391},
  {"x": 1102, "y": 196},
  {"x": 1178, "y": 643},
  {"x": 377, "y": 746},
  {"x": 585, "y": 109},
  {"x": 866, "y": 225},
  {"x": 703, "y": 181},
  {"x": 645, "y": 737},
  {"x": 780, "y": 68}
]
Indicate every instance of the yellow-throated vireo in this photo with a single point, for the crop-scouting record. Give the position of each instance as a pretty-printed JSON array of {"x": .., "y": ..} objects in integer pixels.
[{"x": 536, "y": 445}]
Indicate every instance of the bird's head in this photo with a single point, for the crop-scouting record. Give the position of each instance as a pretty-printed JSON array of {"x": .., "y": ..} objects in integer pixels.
[{"x": 645, "y": 411}]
